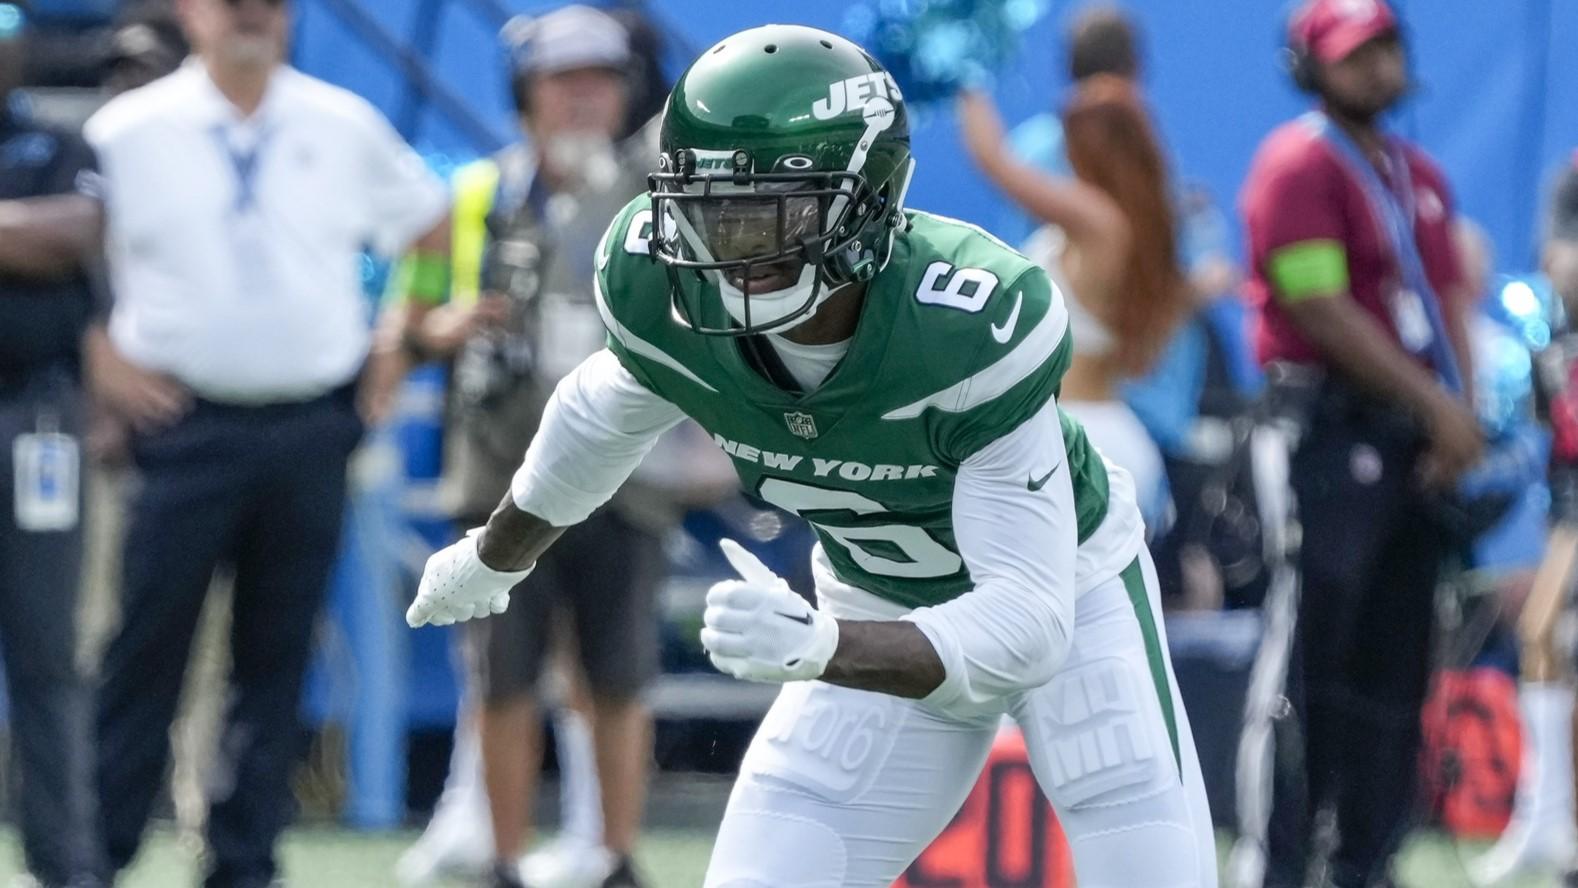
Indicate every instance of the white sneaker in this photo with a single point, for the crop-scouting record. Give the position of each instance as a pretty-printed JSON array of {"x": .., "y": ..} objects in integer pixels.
[
  {"x": 1541, "y": 837},
  {"x": 1524, "y": 849},
  {"x": 567, "y": 863},
  {"x": 455, "y": 843},
  {"x": 1246, "y": 865}
]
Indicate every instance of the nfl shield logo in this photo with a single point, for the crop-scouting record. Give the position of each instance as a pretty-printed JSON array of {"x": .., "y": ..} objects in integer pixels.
[{"x": 801, "y": 424}]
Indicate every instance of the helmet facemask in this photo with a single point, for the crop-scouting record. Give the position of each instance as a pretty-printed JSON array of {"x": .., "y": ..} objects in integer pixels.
[{"x": 775, "y": 245}]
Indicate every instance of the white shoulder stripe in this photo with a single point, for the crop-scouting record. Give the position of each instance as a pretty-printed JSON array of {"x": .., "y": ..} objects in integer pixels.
[
  {"x": 636, "y": 344},
  {"x": 1003, "y": 374}
]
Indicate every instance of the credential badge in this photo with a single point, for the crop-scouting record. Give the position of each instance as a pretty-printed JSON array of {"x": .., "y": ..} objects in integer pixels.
[{"x": 801, "y": 424}]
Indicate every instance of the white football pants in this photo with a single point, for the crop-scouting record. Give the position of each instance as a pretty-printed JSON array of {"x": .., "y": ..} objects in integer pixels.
[{"x": 844, "y": 788}]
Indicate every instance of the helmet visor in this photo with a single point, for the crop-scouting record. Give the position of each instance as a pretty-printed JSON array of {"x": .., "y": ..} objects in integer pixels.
[
  {"x": 756, "y": 236},
  {"x": 753, "y": 226}
]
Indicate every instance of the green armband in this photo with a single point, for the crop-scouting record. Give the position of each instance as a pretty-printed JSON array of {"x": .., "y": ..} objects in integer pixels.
[
  {"x": 428, "y": 283},
  {"x": 1309, "y": 269}
]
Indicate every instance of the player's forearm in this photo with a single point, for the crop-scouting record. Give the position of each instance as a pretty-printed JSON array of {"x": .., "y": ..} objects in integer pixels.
[
  {"x": 885, "y": 657},
  {"x": 515, "y": 539}
]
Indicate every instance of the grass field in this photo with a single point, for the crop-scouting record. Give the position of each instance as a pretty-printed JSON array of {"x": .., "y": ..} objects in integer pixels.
[{"x": 331, "y": 858}]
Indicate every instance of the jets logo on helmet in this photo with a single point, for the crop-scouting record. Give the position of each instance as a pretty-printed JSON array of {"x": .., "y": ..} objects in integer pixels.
[
  {"x": 785, "y": 160},
  {"x": 855, "y": 93}
]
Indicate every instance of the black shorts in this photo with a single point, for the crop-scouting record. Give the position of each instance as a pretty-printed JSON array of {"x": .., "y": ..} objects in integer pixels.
[{"x": 600, "y": 579}]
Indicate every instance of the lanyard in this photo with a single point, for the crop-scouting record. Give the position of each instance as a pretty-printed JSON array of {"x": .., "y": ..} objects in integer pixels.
[
  {"x": 244, "y": 162},
  {"x": 1394, "y": 211}
]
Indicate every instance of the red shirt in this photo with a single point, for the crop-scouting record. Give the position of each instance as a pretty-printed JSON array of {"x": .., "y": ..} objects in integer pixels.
[{"x": 1299, "y": 190}]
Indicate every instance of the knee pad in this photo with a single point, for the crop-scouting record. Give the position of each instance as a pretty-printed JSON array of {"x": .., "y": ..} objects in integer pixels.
[
  {"x": 1102, "y": 743},
  {"x": 764, "y": 849},
  {"x": 1107, "y": 764}
]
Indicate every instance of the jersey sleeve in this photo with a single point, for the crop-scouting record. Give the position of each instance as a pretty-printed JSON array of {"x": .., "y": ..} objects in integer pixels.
[
  {"x": 597, "y": 427},
  {"x": 1012, "y": 380},
  {"x": 1019, "y": 540}
]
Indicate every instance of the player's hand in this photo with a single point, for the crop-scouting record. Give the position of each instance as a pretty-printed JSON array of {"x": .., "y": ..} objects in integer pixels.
[
  {"x": 456, "y": 586},
  {"x": 758, "y": 629}
]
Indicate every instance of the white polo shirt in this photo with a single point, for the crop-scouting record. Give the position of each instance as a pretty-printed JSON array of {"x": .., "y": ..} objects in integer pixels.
[{"x": 234, "y": 244}]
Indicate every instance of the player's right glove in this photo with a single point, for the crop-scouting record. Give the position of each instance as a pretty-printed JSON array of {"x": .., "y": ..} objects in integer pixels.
[
  {"x": 758, "y": 629},
  {"x": 457, "y": 586}
]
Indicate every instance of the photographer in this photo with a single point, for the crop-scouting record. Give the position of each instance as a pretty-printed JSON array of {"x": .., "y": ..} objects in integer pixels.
[{"x": 520, "y": 314}]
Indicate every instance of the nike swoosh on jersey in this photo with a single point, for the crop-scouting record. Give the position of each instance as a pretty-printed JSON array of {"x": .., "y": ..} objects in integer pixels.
[
  {"x": 804, "y": 620},
  {"x": 1006, "y": 331},
  {"x": 1035, "y": 484}
]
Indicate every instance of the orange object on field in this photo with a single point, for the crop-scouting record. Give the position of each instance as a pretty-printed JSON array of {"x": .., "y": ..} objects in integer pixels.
[
  {"x": 1473, "y": 746},
  {"x": 1005, "y": 835}
]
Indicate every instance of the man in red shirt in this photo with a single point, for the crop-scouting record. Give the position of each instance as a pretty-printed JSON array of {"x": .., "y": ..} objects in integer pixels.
[{"x": 1354, "y": 276}]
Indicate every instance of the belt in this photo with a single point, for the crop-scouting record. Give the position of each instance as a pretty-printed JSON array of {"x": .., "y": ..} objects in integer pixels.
[{"x": 275, "y": 406}]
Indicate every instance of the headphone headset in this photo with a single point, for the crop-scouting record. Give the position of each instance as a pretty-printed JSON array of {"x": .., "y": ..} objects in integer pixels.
[
  {"x": 1295, "y": 55},
  {"x": 1300, "y": 65}
]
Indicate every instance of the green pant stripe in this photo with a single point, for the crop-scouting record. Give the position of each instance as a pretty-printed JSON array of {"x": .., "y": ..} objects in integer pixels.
[{"x": 1134, "y": 584}]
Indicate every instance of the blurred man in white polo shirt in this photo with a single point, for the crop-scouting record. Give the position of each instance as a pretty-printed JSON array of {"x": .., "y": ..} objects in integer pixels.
[{"x": 239, "y": 195}]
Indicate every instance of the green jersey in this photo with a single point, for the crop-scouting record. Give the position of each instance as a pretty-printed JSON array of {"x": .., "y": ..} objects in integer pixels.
[{"x": 960, "y": 340}]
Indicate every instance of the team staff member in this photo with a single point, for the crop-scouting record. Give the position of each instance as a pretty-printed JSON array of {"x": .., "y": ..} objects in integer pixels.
[
  {"x": 239, "y": 195},
  {"x": 45, "y": 305},
  {"x": 1354, "y": 273}
]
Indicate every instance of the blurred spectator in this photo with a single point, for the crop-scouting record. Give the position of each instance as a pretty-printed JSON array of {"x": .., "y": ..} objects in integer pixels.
[
  {"x": 1101, "y": 39},
  {"x": 1559, "y": 259},
  {"x": 1541, "y": 836},
  {"x": 1559, "y": 256},
  {"x": 520, "y": 315},
  {"x": 1198, "y": 402},
  {"x": 45, "y": 306},
  {"x": 243, "y": 193},
  {"x": 1358, "y": 286},
  {"x": 1109, "y": 245}
]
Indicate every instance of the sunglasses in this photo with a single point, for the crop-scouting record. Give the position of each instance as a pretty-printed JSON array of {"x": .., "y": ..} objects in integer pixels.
[{"x": 13, "y": 20}]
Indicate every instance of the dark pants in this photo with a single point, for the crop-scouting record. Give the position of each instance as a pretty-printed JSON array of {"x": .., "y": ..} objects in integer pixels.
[
  {"x": 262, "y": 488},
  {"x": 39, "y": 574},
  {"x": 1361, "y": 654},
  {"x": 603, "y": 575}
]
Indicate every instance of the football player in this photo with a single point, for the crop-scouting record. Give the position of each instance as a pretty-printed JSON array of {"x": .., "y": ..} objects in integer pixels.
[{"x": 891, "y": 376}]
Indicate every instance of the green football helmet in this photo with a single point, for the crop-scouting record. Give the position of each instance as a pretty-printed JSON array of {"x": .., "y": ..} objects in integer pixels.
[{"x": 785, "y": 160}]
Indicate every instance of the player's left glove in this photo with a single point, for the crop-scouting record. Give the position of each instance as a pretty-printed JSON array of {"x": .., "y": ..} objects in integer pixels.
[
  {"x": 758, "y": 629},
  {"x": 457, "y": 586}
]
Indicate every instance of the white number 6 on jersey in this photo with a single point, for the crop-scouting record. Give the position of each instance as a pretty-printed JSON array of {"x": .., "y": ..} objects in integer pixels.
[
  {"x": 927, "y": 557},
  {"x": 944, "y": 285}
]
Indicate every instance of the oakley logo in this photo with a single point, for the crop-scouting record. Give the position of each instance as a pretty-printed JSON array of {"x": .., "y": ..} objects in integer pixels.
[{"x": 854, "y": 93}]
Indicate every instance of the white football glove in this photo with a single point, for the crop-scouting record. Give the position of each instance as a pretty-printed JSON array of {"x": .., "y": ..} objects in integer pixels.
[
  {"x": 457, "y": 586},
  {"x": 758, "y": 629}
]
